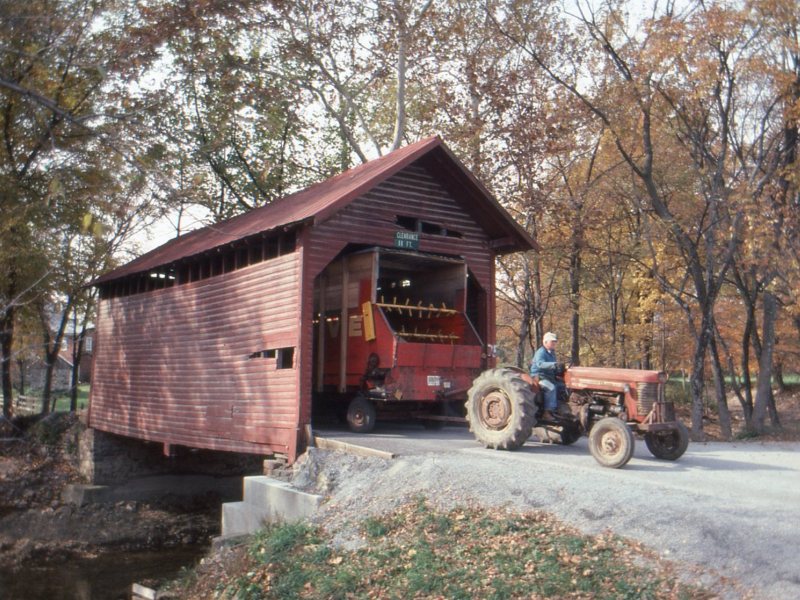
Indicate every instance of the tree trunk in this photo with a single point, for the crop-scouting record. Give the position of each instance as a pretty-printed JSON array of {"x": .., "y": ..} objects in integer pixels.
[
  {"x": 21, "y": 370},
  {"x": 777, "y": 370},
  {"x": 646, "y": 360},
  {"x": 696, "y": 384},
  {"x": 774, "y": 419},
  {"x": 797, "y": 326},
  {"x": 612, "y": 305},
  {"x": 764, "y": 390},
  {"x": 538, "y": 310},
  {"x": 623, "y": 339},
  {"x": 646, "y": 322},
  {"x": 51, "y": 352},
  {"x": 48, "y": 383},
  {"x": 475, "y": 122},
  {"x": 719, "y": 385},
  {"x": 523, "y": 341},
  {"x": 400, "y": 99},
  {"x": 73, "y": 384},
  {"x": 574, "y": 298},
  {"x": 747, "y": 384},
  {"x": 737, "y": 389},
  {"x": 697, "y": 379},
  {"x": 6, "y": 346},
  {"x": 77, "y": 352}
]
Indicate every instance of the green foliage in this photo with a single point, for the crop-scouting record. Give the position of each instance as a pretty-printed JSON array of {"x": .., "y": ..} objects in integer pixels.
[
  {"x": 677, "y": 391},
  {"x": 69, "y": 160}
]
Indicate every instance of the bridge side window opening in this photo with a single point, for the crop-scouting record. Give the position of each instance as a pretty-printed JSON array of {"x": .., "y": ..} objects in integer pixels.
[
  {"x": 217, "y": 261},
  {"x": 281, "y": 358},
  {"x": 426, "y": 227}
]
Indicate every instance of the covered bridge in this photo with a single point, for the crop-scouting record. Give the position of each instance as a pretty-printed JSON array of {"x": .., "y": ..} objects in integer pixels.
[{"x": 213, "y": 339}]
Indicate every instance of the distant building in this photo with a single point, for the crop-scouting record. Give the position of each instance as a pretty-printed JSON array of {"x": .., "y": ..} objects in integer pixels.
[
  {"x": 32, "y": 372},
  {"x": 35, "y": 373}
]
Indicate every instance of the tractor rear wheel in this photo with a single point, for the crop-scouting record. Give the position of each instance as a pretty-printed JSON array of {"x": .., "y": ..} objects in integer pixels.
[
  {"x": 668, "y": 445},
  {"x": 361, "y": 415},
  {"x": 501, "y": 409},
  {"x": 611, "y": 442}
]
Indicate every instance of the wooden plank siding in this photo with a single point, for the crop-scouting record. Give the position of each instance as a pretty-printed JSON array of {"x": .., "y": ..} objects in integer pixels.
[
  {"x": 371, "y": 220},
  {"x": 174, "y": 364}
]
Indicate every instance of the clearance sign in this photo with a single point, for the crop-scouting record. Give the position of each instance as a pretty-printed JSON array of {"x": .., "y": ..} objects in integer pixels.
[{"x": 407, "y": 240}]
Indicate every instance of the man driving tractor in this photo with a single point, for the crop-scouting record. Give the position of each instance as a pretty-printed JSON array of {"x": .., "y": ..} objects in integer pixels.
[{"x": 545, "y": 366}]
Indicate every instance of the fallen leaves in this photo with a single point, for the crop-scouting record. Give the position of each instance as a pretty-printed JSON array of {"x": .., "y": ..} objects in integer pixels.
[{"x": 418, "y": 552}]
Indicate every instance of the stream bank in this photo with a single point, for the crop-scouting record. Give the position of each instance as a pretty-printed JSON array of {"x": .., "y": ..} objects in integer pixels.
[{"x": 95, "y": 549}]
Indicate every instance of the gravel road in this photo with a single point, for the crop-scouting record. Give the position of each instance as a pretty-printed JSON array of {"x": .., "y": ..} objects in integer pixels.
[{"x": 732, "y": 508}]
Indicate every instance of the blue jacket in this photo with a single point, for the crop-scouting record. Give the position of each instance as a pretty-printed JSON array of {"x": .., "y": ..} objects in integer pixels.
[{"x": 544, "y": 364}]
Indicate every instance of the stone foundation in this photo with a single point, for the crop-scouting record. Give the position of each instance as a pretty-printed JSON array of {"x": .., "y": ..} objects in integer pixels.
[{"x": 108, "y": 459}]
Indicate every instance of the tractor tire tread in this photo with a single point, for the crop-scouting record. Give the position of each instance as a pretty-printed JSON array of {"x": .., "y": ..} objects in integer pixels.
[{"x": 522, "y": 404}]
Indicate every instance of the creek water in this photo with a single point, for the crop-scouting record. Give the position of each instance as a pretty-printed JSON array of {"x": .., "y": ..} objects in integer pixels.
[{"x": 107, "y": 577}]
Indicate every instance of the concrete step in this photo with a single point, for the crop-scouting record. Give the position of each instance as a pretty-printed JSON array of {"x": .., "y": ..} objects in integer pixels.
[
  {"x": 266, "y": 500},
  {"x": 240, "y": 518}
]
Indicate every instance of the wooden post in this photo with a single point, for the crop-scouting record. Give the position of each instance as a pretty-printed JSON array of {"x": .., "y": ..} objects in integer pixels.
[
  {"x": 323, "y": 291},
  {"x": 343, "y": 330}
]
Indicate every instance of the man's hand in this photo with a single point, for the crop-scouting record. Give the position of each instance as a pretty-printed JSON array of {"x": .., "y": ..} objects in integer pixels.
[{"x": 560, "y": 368}]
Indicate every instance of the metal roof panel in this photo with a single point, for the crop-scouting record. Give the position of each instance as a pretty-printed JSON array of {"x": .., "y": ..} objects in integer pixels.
[{"x": 317, "y": 203}]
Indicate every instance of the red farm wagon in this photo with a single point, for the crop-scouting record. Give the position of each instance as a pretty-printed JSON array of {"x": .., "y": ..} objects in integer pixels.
[
  {"x": 408, "y": 342},
  {"x": 374, "y": 289}
]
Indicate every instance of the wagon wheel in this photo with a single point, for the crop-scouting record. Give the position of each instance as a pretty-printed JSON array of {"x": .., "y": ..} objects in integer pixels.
[
  {"x": 611, "y": 442},
  {"x": 501, "y": 409},
  {"x": 361, "y": 415},
  {"x": 668, "y": 445}
]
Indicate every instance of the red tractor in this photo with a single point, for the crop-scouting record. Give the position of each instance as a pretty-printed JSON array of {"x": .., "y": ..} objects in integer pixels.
[{"x": 504, "y": 405}]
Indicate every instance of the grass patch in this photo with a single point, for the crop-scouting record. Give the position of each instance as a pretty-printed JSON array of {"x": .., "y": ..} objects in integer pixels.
[
  {"x": 376, "y": 528},
  {"x": 418, "y": 552},
  {"x": 63, "y": 400}
]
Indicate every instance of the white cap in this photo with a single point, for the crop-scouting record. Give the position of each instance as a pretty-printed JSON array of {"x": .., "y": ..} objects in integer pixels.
[{"x": 550, "y": 336}]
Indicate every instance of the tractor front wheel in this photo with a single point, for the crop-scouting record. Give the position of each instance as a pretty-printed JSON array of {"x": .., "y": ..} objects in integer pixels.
[
  {"x": 611, "y": 442},
  {"x": 501, "y": 409},
  {"x": 361, "y": 415},
  {"x": 668, "y": 445}
]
